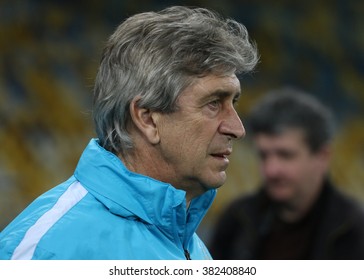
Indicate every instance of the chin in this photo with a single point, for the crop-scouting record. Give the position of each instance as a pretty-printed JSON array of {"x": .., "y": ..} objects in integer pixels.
[
  {"x": 214, "y": 187},
  {"x": 220, "y": 180},
  {"x": 211, "y": 180},
  {"x": 214, "y": 184}
]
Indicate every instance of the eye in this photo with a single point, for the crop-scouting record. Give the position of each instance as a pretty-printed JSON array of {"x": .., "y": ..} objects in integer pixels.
[
  {"x": 287, "y": 154},
  {"x": 262, "y": 155},
  {"x": 214, "y": 104},
  {"x": 235, "y": 101}
]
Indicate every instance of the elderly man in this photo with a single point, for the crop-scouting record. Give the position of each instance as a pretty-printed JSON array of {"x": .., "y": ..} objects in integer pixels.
[{"x": 165, "y": 119}]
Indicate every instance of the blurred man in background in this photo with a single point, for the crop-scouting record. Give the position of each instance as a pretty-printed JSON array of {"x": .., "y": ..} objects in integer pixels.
[
  {"x": 165, "y": 119},
  {"x": 297, "y": 213}
]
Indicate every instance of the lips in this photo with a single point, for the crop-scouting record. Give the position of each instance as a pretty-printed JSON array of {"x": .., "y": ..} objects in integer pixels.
[{"x": 223, "y": 154}]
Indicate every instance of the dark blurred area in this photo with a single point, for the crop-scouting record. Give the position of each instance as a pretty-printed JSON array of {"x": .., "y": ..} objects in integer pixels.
[{"x": 49, "y": 53}]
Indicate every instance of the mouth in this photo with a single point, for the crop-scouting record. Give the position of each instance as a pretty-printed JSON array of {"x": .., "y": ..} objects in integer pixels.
[{"x": 222, "y": 155}]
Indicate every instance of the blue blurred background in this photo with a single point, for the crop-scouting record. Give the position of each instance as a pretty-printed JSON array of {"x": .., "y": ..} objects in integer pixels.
[{"x": 49, "y": 54}]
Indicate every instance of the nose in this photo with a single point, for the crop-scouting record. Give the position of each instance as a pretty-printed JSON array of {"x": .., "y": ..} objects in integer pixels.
[
  {"x": 232, "y": 125},
  {"x": 271, "y": 167}
]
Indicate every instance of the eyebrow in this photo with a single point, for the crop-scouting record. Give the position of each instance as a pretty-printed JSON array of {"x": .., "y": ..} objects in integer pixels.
[{"x": 221, "y": 94}]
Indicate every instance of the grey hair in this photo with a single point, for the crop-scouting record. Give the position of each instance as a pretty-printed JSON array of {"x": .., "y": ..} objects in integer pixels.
[{"x": 156, "y": 55}]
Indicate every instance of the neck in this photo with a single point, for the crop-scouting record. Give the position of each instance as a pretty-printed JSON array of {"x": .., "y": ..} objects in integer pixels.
[
  {"x": 139, "y": 163},
  {"x": 296, "y": 210},
  {"x": 145, "y": 163},
  {"x": 290, "y": 214}
]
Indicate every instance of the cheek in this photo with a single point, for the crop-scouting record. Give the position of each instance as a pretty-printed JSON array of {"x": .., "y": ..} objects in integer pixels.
[
  {"x": 188, "y": 136},
  {"x": 305, "y": 170},
  {"x": 193, "y": 143},
  {"x": 181, "y": 141},
  {"x": 315, "y": 169},
  {"x": 197, "y": 132}
]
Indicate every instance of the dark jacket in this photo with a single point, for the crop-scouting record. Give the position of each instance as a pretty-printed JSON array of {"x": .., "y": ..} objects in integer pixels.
[{"x": 338, "y": 230}]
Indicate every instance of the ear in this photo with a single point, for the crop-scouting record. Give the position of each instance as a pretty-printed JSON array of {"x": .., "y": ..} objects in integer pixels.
[
  {"x": 144, "y": 120},
  {"x": 325, "y": 156}
]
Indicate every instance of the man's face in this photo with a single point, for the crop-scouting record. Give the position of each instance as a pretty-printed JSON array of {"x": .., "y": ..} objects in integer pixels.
[
  {"x": 291, "y": 171},
  {"x": 196, "y": 140}
]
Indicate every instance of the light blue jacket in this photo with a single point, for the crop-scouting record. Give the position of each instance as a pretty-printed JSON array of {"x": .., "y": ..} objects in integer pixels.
[{"x": 105, "y": 211}]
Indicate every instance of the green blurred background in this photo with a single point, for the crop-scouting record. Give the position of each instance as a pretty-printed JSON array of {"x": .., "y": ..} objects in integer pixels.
[{"x": 49, "y": 54}]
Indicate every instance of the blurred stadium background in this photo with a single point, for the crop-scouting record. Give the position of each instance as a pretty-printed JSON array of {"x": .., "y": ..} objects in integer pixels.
[{"x": 49, "y": 54}]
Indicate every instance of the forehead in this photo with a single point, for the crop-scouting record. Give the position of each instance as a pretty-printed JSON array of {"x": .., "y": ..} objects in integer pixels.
[{"x": 290, "y": 138}]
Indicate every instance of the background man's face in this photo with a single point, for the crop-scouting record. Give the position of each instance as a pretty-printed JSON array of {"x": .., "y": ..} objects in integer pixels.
[{"x": 288, "y": 166}]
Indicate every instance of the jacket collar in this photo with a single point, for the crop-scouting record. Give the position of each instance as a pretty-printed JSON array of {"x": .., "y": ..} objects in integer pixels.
[{"x": 135, "y": 196}]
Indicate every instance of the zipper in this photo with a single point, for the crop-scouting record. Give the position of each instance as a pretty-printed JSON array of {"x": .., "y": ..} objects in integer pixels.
[{"x": 187, "y": 254}]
